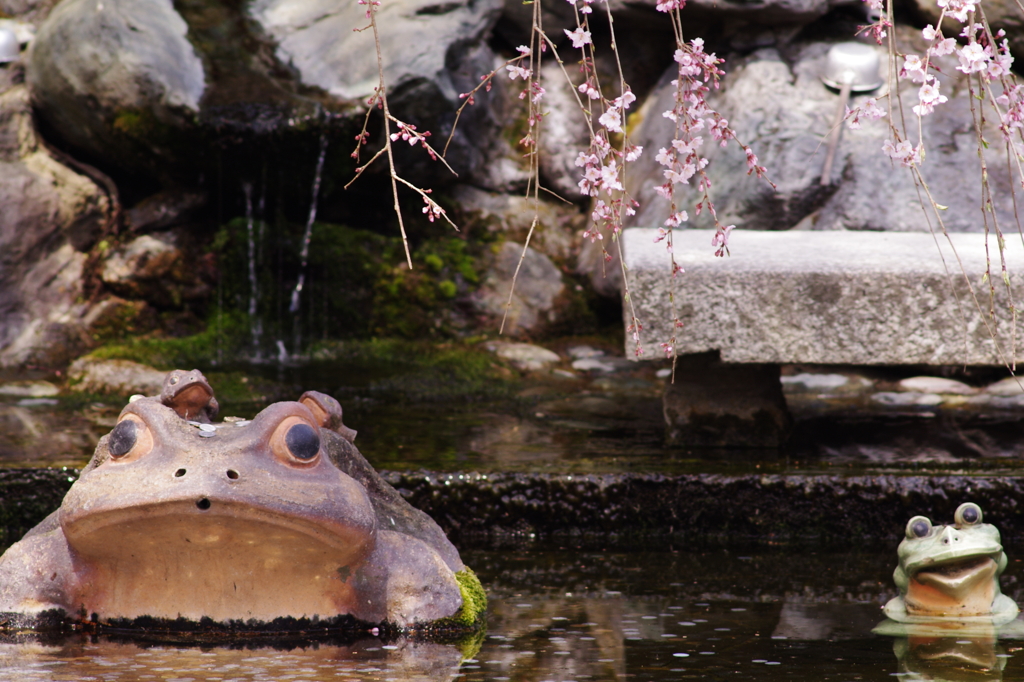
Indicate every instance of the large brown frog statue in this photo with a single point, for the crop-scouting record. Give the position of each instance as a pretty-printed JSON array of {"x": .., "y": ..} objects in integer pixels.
[{"x": 236, "y": 522}]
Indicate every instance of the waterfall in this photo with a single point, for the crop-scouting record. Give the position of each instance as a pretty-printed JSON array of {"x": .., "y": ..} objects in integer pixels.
[
  {"x": 304, "y": 253},
  {"x": 256, "y": 324}
]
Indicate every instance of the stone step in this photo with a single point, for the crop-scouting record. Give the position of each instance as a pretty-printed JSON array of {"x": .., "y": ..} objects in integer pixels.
[
  {"x": 830, "y": 297},
  {"x": 631, "y": 510}
]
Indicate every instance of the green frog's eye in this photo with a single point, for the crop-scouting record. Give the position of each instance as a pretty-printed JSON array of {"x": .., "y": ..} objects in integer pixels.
[
  {"x": 967, "y": 514},
  {"x": 918, "y": 527}
]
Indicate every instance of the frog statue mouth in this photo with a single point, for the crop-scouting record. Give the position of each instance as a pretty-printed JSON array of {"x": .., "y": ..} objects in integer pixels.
[
  {"x": 963, "y": 586},
  {"x": 218, "y": 560}
]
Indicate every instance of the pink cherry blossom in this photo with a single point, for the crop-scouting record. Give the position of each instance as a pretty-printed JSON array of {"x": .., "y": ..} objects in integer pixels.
[
  {"x": 589, "y": 90},
  {"x": 944, "y": 47},
  {"x": 579, "y": 37},
  {"x": 913, "y": 68},
  {"x": 610, "y": 177},
  {"x": 516, "y": 71},
  {"x": 612, "y": 120},
  {"x": 973, "y": 58}
]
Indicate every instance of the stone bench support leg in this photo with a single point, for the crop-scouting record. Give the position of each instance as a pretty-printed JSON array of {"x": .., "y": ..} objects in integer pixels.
[{"x": 713, "y": 404}]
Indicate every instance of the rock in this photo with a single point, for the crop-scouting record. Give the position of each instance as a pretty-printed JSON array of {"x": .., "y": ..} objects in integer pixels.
[
  {"x": 155, "y": 269},
  {"x": 599, "y": 262},
  {"x": 815, "y": 382},
  {"x": 31, "y": 12},
  {"x": 581, "y": 352},
  {"x": 29, "y": 389},
  {"x": 512, "y": 215},
  {"x": 907, "y": 399},
  {"x": 601, "y": 364},
  {"x": 316, "y": 37},
  {"x": 537, "y": 287},
  {"x": 517, "y": 21},
  {"x": 524, "y": 356},
  {"x": 1006, "y": 403},
  {"x": 114, "y": 318},
  {"x": 120, "y": 377},
  {"x": 936, "y": 385},
  {"x": 163, "y": 210},
  {"x": 432, "y": 53},
  {"x": 784, "y": 113},
  {"x": 564, "y": 135},
  {"x": 116, "y": 76},
  {"x": 713, "y": 404},
  {"x": 50, "y": 216},
  {"x": 1008, "y": 387},
  {"x": 760, "y": 13},
  {"x": 999, "y": 14}
]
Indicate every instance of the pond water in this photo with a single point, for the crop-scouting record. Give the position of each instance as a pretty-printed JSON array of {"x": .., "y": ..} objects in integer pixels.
[
  {"x": 566, "y": 615},
  {"x": 560, "y": 613},
  {"x": 589, "y": 423}
]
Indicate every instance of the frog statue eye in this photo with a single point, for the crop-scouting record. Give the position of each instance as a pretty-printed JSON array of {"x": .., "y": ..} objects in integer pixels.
[
  {"x": 918, "y": 527},
  {"x": 302, "y": 441},
  {"x": 130, "y": 439},
  {"x": 296, "y": 442},
  {"x": 967, "y": 514}
]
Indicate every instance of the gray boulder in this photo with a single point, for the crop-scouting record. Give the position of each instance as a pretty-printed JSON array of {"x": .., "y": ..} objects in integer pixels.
[
  {"x": 154, "y": 268},
  {"x": 116, "y": 77},
  {"x": 564, "y": 133},
  {"x": 432, "y": 53},
  {"x": 319, "y": 38},
  {"x": 784, "y": 113},
  {"x": 1000, "y": 14},
  {"x": 119, "y": 377},
  {"x": 512, "y": 215},
  {"x": 536, "y": 292},
  {"x": 50, "y": 215},
  {"x": 758, "y": 13}
]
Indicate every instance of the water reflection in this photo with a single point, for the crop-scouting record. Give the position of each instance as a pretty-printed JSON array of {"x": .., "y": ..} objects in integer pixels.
[
  {"x": 953, "y": 650},
  {"x": 573, "y": 616},
  {"x": 950, "y": 658},
  {"x": 81, "y": 658}
]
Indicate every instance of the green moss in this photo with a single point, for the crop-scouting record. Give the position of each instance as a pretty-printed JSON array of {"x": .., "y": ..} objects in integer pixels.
[
  {"x": 357, "y": 282},
  {"x": 121, "y": 319},
  {"x": 474, "y": 598},
  {"x": 141, "y": 125},
  {"x": 421, "y": 371},
  {"x": 447, "y": 288},
  {"x": 223, "y": 337},
  {"x": 469, "y": 619}
]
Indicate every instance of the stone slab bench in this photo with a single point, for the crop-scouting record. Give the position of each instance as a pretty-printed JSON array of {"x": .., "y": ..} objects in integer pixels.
[
  {"x": 836, "y": 297},
  {"x": 801, "y": 297}
]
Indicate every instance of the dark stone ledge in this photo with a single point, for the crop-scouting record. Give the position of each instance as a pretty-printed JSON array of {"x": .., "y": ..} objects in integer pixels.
[{"x": 630, "y": 510}]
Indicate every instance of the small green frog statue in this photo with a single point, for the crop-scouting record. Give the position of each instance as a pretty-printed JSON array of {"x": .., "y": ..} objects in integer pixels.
[{"x": 951, "y": 573}]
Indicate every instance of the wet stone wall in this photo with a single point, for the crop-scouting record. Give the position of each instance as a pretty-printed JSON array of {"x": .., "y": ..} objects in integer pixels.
[{"x": 629, "y": 511}]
